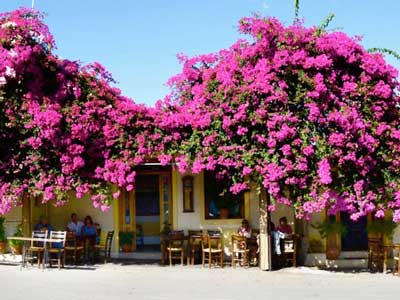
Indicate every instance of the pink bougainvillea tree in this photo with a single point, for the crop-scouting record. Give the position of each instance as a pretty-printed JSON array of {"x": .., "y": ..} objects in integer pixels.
[
  {"x": 310, "y": 115},
  {"x": 63, "y": 127}
]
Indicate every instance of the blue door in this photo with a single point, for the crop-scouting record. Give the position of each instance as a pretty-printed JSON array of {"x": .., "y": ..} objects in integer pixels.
[{"x": 356, "y": 238}]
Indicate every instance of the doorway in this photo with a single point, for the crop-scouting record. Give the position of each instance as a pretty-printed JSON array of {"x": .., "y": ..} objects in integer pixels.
[
  {"x": 147, "y": 211},
  {"x": 356, "y": 238},
  {"x": 147, "y": 208}
]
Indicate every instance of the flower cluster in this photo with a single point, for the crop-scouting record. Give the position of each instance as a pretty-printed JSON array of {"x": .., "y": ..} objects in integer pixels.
[
  {"x": 63, "y": 127},
  {"x": 310, "y": 115}
]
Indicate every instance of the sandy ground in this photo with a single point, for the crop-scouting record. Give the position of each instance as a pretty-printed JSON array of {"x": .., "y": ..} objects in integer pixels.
[{"x": 113, "y": 281}]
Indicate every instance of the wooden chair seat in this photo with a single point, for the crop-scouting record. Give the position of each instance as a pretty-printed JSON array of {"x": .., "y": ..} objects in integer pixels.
[
  {"x": 176, "y": 249},
  {"x": 36, "y": 249},
  {"x": 56, "y": 250},
  {"x": 212, "y": 250},
  {"x": 71, "y": 248}
]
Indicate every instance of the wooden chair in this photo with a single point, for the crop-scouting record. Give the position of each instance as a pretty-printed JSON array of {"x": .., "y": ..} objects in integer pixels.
[
  {"x": 104, "y": 250},
  {"x": 37, "y": 248},
  {"x": 240, "y": 251},
  {"x": 212, "y": 251},
  {"x": 72, "y": 248},
  {"x": 289, "y": 249},
  {"x": 396, "y": 260},
  {"x": 253, "y": 245},
  {"x": 375, "y": 253},
  {"x": 57, "y": 248},
  {"x": 193, "y": 245},
  {"x": 175, "y": 246}
]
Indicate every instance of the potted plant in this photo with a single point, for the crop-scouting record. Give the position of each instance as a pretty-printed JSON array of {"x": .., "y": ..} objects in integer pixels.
[
  {"x": 3, "y": 238},
  {"x": 382, "y": 227},
  {"x": 16, "y": 245},
  {"x": 165, "y": 230},
  {"x": 126, "y": 240},
  {"x": 225, "y": 206},
  {"x": 331, "y": 229}
]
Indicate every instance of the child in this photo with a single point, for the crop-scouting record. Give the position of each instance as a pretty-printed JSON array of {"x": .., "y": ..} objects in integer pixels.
[
  {"x": 284, "y": 227},
  {"x": 245, "y": 229}
]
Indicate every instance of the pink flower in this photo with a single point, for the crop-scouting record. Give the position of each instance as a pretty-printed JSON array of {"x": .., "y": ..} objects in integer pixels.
[{"x": 324, "y": 172}]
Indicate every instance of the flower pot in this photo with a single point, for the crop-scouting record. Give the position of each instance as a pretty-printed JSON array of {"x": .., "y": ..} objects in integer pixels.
[
  {"x": 3, "y": 247},
  {"x": 126, "y": 248},
  {"x": 224, "y": 213},
  {"x": 332, "y": 247},
  {"x": 16, "y": 250},
  {"x": 332, "y": 253}
]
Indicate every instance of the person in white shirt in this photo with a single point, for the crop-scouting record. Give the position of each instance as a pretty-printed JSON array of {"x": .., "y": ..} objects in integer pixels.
[{"x": 75, "y": 225}]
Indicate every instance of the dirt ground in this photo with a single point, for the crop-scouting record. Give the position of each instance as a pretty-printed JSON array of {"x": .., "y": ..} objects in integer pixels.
[{"x": 116, "y": 281}]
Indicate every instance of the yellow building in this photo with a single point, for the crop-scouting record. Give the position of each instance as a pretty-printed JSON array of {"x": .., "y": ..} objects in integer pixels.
[{"x": 186, "y": 202}]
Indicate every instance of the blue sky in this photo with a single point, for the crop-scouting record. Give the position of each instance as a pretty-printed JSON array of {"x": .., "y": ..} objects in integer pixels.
[{"x": 137, "y": 40}]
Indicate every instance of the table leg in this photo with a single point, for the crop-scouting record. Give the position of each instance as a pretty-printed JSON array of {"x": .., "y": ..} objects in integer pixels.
[
  {"x": 23, "y": 263},
  {"x": 384, "y": 261}
]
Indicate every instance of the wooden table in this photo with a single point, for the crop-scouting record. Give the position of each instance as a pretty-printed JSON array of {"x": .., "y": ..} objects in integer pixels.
[
  {"x": 191, "y": 240},
  {"x": 386, "y": 248},
  {"x": 45, "y": 241}
]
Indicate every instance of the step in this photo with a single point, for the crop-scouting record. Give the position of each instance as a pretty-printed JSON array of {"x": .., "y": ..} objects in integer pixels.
[
  {"x": 347, "y": 261},
  {"x": 353, "y": 255}
]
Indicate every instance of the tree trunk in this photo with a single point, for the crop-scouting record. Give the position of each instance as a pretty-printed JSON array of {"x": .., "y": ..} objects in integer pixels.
[{"x": 265, "y": 233}]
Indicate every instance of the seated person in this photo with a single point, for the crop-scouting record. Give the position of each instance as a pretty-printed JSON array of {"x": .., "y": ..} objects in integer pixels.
[
  {"x": 43, "y": 225},
  {"x": 89, "y": 237},
  {"x": 245, "y": 229},
  {"x": 75, "y": 225},
  {"x": 88, "y": 229},
  {"x": 284, "y": 227}
]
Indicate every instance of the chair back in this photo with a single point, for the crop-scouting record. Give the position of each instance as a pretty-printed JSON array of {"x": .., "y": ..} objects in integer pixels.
[
  {"x": 38, "y": 234},
  {"x": 109, "y": 239},
  {"x": 239, "y": 243},
  {"x": 176, "y": 239},
  {"x": 289, "y": 245},
  {"x": 70, "y": 239},
  {"x": 375, "y": 245},
  {"x": 194, "y": 232},
  {"x": 59, "y": 235},
  {"x": 213, "y": 232},
  {"x": 211, "y": 243}
]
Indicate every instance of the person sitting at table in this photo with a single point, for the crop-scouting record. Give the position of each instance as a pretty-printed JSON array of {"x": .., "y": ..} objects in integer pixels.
[
  {"x": 284, "y": 227},
  {"x": 43, "y": 225},
  {"x": 245, "y": 229},
  {"x": 89, "y": 237},
  {"x": 75, "y": 225}
]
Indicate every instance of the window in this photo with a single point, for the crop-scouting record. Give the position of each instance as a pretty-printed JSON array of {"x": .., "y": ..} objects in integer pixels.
[
  {"x": 187, "y": 185},
  {"x": 220, "y": 203}
]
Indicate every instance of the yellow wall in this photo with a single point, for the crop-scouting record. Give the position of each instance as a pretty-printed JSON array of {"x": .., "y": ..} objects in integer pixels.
[
  {"x": 60, "y": 216},
  {"x": 13, "y": 219}
]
